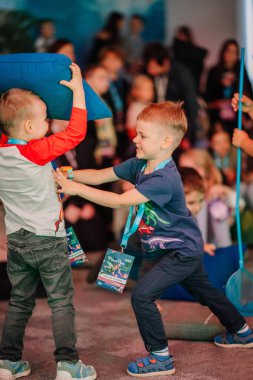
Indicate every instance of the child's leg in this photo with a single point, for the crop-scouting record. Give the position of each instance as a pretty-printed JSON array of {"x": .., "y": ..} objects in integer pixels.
[
  {"x": 24, "y": 279},
  {"x": 55, "y": 271},
  {"x": 199, "y": 286},
  {"x": 169, "y": 271}
]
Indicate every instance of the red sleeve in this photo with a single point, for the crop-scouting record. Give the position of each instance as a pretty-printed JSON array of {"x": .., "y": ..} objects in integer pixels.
[
  {"x": 3, "y": 139},
  {"x": 49, "y": 148}
]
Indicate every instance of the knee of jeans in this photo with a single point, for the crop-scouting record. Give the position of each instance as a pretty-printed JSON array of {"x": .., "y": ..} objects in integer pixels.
[
  {"x": 62, "y": 309},
  {"x": 22, "y": 304},
  {"x": 57, "y": 304},
  {"x": 138, "y": 296}
]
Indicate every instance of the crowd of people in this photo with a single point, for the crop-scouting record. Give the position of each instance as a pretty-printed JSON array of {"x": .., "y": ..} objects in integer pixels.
[
  {"x": 129, "y": 74},
  {"x": 161, "y": 118}
]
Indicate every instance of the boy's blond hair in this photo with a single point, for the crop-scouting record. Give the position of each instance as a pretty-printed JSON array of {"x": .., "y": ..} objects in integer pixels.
[
  {"x": 15, "y": 106},
  {"x": 169, "y": 115}
]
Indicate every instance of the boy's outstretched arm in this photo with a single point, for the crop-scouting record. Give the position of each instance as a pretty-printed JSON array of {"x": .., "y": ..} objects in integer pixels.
[
  {"x": 242, "y": 140},
  {"x": 95, "y": 177},
  {"x": 103, "y": 198}
]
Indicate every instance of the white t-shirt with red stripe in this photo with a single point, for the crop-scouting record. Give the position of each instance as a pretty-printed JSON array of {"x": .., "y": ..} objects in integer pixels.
[{"x": 27, "y": 187}]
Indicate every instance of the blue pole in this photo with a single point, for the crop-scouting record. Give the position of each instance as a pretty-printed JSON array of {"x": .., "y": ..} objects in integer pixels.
[{"x": 238, "y": 171}]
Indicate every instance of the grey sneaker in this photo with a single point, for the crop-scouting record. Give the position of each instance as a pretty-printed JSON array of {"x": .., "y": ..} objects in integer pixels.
[
  {"x": 13, "y": 370},
  {"x": 75, "y": 371}
]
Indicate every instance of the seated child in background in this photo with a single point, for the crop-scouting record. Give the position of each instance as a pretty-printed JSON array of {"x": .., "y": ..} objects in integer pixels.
[
  {"x": 214, "y": 218},
  {"x": 169, "y": 234},
  {"x": 224, "y": 155},
  {"x": 35, "y": 227},
  {"x": 194, "y": 190}
]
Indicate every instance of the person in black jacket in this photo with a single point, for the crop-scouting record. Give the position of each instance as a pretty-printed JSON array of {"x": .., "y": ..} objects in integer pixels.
[
  {"x": 172, "y": 81},
  {"x": 187, "y": 52}
]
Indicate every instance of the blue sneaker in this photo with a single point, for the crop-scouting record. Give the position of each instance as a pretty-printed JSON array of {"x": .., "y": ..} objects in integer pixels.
[
  {"x": 75, "y": 371},
  {"x": 152, "y": 365},
  {"x": 230, "y": 340},
  {"x": 13, "y": 370}
]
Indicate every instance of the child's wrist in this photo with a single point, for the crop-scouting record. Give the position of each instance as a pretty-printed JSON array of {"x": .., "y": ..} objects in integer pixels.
[
  {"x": 68, "y": 170},
  {"x": 250, "y": 112},
  {"x": 245, "y": 142}
]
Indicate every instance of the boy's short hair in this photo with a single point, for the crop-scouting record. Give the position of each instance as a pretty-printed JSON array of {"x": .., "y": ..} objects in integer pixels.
[
  {"x": 15, "y": 106},
  {"x": 192, "y": 180},
  {"x": 111, "y": 49},
  {"x": 167, "y": 114},
  {"x": 155, "y": 51},
  {"x": 92, "y": 68}
]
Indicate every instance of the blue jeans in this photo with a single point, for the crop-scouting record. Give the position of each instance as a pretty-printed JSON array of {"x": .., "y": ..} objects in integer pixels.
[
  {"x": 31, "y": 257},
  {"x": 171, "y": 269}
]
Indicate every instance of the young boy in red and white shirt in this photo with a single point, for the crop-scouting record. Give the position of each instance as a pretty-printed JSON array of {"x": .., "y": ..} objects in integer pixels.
[{"x": 34, "y": 225}]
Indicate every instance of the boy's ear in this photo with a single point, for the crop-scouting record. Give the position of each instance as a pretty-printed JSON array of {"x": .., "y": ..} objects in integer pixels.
[
  {"x": 28, "y": 126},
  {"x": 168, "y": 142}
]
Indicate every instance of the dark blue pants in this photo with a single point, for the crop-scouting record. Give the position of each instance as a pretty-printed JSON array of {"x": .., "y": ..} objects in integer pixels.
[
  {"x": 30, "y": 258},
  {"x": 172, "y": 269}
]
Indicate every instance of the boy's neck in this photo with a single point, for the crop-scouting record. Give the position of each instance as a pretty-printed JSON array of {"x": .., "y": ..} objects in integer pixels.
[
  {"x": 19, "y": 137},
  {"x": 152, "y": 164}
]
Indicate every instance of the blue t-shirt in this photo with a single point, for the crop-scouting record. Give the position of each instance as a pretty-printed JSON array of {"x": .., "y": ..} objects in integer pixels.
[{"x": 166, "y": 224}]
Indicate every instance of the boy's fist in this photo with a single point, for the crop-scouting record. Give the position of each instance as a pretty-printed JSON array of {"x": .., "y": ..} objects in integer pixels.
[{"x": 239, "y": 137}]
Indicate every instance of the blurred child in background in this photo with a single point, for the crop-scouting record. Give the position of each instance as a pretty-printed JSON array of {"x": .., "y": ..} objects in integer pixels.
[
  {"x": 224, "y": 155},
  {"x": 214, "y": 217},
  {"x": 194, "y": 190},
  {"x": 142, "y": 94}
]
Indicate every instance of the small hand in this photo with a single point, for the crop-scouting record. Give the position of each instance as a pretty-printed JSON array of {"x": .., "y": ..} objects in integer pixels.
[
  {"x": 217, "y": 191},
  {"x": 239, "y": 137},
  {"x": 247, "y": 103},
  {"x": 210, "y": 249},
  {"x": 65, "y": 185},
  {"x": 76, "y": 81}
]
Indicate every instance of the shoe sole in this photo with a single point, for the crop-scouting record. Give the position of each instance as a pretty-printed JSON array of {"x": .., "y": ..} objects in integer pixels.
[
  {"x": 92, "y": 377},
  {"x": 234, "y": 345},
  {"x": 149, "y": 374},
  {"x": 8, "y": 376}
]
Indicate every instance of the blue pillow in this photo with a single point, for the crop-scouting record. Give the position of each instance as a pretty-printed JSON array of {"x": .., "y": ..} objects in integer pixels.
[{"x": 41, "y": 73}]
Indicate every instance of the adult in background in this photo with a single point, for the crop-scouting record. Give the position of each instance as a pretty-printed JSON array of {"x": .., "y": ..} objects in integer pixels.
[
  {"x": 134, "y": 44},
  {"x": 172, "y": 81},
  {"x": 112, "y": 58},
  {"x": 46, "y": 36},
  {"x": 111, "y": 34},
  {"x": 187, "y": 52},
  {"x": 222, "y": 83}
]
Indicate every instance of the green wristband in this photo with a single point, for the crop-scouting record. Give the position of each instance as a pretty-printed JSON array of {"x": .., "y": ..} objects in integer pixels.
[{"x": 70, "y": 173}]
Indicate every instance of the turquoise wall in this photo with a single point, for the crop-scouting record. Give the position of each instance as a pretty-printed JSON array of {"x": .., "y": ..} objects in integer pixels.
[{"x": 79, "y": 20}]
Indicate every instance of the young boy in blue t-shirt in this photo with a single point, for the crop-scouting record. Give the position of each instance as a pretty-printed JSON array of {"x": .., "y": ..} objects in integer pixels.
[{"x": 169, "y": 234}]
